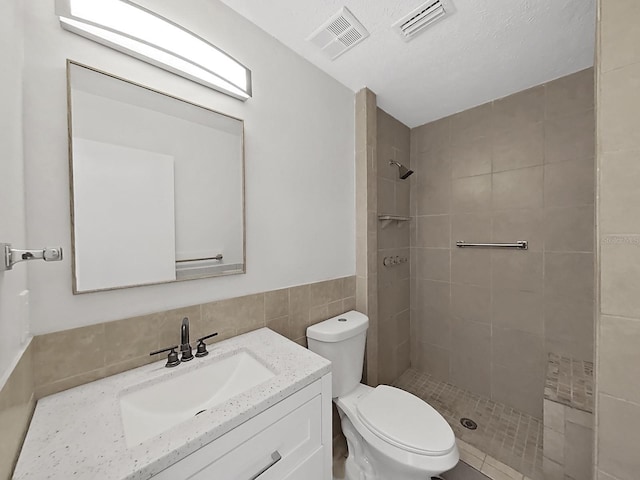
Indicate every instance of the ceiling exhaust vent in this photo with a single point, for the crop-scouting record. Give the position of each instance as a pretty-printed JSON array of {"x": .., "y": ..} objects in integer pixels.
[
  {"x": 419, "y": 19},
  {"x": 340, "y": 33}
]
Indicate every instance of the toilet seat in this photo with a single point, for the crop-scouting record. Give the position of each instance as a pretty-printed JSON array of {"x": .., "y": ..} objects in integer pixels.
[{"x": 405, "y": 421}]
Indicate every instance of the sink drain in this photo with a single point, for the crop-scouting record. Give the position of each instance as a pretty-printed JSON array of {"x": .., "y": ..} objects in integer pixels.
[
  {"x": 199, "y": 413},
  {"x": 468, "y": 423}
]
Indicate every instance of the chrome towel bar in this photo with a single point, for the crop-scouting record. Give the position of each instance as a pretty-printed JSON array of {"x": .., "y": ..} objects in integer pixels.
[{"x": 520, "y": 245}]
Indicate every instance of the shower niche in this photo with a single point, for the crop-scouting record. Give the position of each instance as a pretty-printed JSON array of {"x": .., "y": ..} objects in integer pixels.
[{"x": 157, "y": 185}]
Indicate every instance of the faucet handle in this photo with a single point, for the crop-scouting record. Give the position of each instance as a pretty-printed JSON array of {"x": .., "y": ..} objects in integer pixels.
[
  {"x": 172, "y": 358},
  {"x": 201, "y": 350}
]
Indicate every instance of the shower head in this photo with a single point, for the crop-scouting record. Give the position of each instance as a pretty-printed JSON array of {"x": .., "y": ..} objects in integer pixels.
[{"x": 404, "y": 172}]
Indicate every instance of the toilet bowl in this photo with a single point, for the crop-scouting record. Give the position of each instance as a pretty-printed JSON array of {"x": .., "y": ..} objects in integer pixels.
[{"x": 391, "y": 434}]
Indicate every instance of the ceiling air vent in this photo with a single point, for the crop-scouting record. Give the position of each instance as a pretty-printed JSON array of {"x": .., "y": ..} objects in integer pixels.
[
  {"x": 419, "y": 19},
  {"x": 340, "y": 33}
]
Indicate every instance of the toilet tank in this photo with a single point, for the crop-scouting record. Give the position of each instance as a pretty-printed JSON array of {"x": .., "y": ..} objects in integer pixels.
[{"x": 341, "y": 340}]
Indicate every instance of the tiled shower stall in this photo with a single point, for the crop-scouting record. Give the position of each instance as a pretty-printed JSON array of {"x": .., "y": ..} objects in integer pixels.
[{"x": 482, "y": 321}]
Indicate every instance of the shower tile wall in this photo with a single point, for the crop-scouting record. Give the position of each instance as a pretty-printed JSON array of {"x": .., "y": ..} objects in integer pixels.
[
  {"x": 393, "y": 240},
  {"x": 518, "y": 168},
  {"x": 618, "y": 362}
]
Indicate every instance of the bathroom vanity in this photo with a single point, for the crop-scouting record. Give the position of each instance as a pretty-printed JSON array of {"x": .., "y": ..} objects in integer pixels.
[{"x": 257, "y": 407}]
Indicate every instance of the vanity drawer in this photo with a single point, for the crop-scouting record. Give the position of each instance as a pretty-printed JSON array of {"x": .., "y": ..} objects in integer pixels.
[
  {"x": 275, "y": 451},
  {"x": 280, "y": 442}
]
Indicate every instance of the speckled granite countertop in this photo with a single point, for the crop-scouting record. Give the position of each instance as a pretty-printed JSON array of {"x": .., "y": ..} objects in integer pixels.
[{"x": 79, "y": 434}]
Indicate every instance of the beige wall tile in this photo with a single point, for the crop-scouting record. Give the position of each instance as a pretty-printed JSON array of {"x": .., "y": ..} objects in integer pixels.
[
  {"x": 518, "y": 270},
  {"x": 570, "y": 94},
  {"x": 471, "y": 194},
  {"x": 276, "y": 304},
  {"x": 471, "y": 356},
  {"x": 325, "y": 292},
  {"x": 299, "y": 305},
  {"x": 570, "y": 275},
  {"x": 385, "y": 153},
  {"x": 619, "y": 34},
  {"x": 470, "y": 372},
  {"x": 618, "y": 355},
  {"x": 387, "y": 196},
  {"x": 618, "y": 437},
  {"x": 469, "y": 302},
  {"x": 620, "y": 276},
  {"x": 471, "y": 266},
  {"x": 570, "y": 137},
  {"x": 519, "y": 110},
  {"x": 16, "y": 407},
  {"x": 578, "y": 451},
  {"x": 433, "y": 136},
  {"x": 554, "y": 416},
  {"x": 402, "y": 200},
  {"x": 432, "y": 263},
  {"x": 569, "y": 184},
  {"x": 470, "y": 227},
  {"x": 554, "y": 445},
  {"x": 471, "y": 124},
  {"x": 433, "y": 197},
  {"x": 433, "y": 231},
  {"x": 54, "y": 360},
  {"x": 518, "y": 148},
  {"x": 433, "y": 165},
  {"x": 132, "y": 337},
  {"x": 620, "y": 109},
  {"x": 402, "y": 326},
  {"x": 404, "y": 359},
  {"x": 518, "y": 350},
  {"x": 570, "y": 229},
  {"x": 512, "y": 225},
  {"x": 514, "y": 387},
  {"x": 569, "y": 326},
  {"x": 518, "y": 310},
  {"x": 518, "y": 188},
  {"x": 604, "y": 476},
  {"x": 471, "y": 157},
  {"x": 619, "y": 180},
  {"x": 434, "y": 360}
]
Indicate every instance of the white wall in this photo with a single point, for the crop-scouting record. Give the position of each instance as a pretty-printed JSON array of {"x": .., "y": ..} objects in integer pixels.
[
  {"x": 13, "y": 316},
  {"x": 300, "y": 193}
]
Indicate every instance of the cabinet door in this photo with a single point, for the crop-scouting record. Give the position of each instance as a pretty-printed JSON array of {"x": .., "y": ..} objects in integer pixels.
[
  {"x": 310, "y": 469},
  {"x": 275, "y": 451}
]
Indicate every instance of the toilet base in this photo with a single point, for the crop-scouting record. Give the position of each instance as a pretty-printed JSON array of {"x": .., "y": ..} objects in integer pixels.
[
  {"x": 364, "y": 463},
  {"x": 372, "y": 458}
]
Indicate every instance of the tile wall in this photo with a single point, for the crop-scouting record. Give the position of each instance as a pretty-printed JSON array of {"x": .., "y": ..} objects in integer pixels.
[
  {"x": 366, "y": 225},
  {"x": 66, "y": 359},
  {"x": 518, "y": 168},
  {"x": 618, "y": 359},
  {"x": 393, "y": 242},
  {"x": 17, "y": 402}
]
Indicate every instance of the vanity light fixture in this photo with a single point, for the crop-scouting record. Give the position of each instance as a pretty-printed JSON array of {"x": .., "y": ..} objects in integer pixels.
[{"x": 136, "y": 31}]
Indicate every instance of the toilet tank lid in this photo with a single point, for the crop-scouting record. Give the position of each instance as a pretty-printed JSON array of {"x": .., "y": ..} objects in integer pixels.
[{"x": 339, "y": 328}]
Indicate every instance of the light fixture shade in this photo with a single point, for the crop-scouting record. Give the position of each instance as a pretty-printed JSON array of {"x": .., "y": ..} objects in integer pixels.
[{"x": 136, "y": 31}]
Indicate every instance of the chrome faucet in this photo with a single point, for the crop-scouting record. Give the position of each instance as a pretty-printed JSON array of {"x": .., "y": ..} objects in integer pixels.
[{"x": 185, "y": 345}]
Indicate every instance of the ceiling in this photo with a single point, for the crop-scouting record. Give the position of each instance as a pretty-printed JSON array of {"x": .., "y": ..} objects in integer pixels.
[{"x": 486, "y": 49}]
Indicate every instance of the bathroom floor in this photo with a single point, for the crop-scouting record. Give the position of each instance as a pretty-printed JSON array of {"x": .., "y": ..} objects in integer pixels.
[{"x": 512, "y": 437}]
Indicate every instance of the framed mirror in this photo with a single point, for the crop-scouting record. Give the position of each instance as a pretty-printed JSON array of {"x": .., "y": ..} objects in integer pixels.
[{"x": 157, "y": 185}]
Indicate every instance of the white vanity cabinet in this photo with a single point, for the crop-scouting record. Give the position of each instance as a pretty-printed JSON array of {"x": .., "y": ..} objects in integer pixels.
[{"x": 289, "y": 441}]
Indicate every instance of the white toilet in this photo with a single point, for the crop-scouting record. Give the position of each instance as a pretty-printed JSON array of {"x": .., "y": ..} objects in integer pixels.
[{"x": 391, "y": 434}]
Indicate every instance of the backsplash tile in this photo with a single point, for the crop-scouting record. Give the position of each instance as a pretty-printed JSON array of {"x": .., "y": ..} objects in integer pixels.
[{"x": 66, "y": 359}]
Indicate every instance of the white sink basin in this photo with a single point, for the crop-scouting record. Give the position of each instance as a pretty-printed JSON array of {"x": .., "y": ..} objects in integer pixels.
[{"x": 150, "y": 410}]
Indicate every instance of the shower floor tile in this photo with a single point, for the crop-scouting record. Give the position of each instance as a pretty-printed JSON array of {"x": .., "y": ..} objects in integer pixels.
[{"x": 511, "y": 437}]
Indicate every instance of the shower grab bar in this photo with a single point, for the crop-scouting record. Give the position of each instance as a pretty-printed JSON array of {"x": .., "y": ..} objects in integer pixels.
[{"x": 520, "y": 245}]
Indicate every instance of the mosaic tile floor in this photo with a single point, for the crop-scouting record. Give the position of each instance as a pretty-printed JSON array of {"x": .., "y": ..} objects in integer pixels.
[{"x": 508, "y": 435}]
